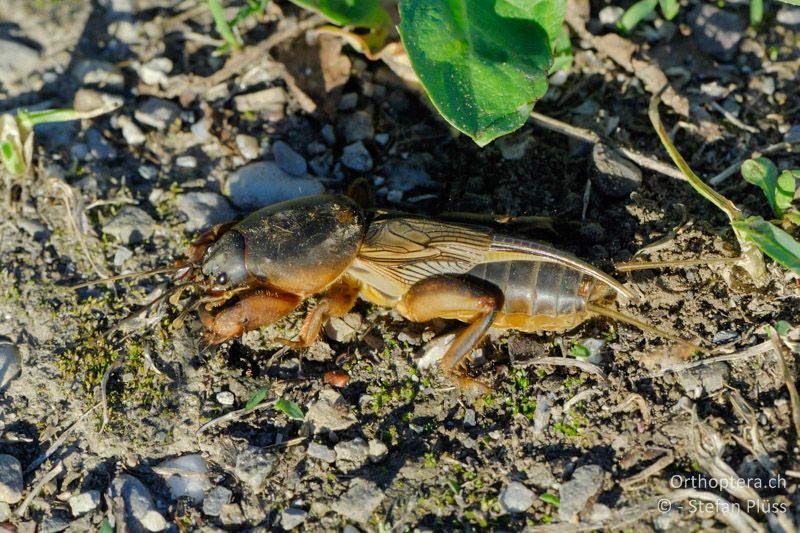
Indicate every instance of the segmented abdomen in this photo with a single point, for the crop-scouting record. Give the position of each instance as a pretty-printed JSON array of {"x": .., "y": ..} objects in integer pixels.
[{"x": 537, "y": 287}]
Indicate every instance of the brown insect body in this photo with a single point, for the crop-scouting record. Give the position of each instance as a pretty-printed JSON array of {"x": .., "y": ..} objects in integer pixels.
[{"x": 258, "y": 270}]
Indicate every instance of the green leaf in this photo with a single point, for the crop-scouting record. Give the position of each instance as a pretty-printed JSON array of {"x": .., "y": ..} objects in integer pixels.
[
  {"x": 562, "y": 51},
  {"x": 105, "y": 526},
  {"x": 756, "y": 12},
  {"x": 793, "y": 217},
  {"x": 221, "y": 23},
  {"x": 483, "y": 64},
  {"x": 771, "y": 240},
  {"x": 358, "y": 13},
  {"x": 783, "y": 328},
  {"x": 784, "y": 188},
  {"x": 793, "y": 2},
  {"x": 635, "y": 14},
  {"x": 552, "y": 499},
  {"x": 255, "y": 399},
  {"x": 762, "y": 172},
  {"x": 670, "y": 8},
  {"x": 580, "y": 351},
  {"x": 291, "y": 409},
  {"x": 11, "y": 159},
  {"x": 29, "y": 119}
]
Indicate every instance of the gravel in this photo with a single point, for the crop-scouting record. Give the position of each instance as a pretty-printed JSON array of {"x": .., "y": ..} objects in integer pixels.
[
  {"x": 516, "y": 498},
  {"x": 248, "y": 146},
  {"x": 10, "y": 479},
  {"x": 131, "y": 132},
  {"x": 292, "y": 517},
  {"x": 155, "y": 71},
  {"x": 357, "y": 127},
  {"x": 17, "y": 61},
  {"x": 321, "y": 452},
  {"x": 186, "y": 477},
  {"x": 616, "y": 176},
  {"x": 83, "y": 503},
  {"x": 351, "y": 454},
  {"x": 99, "y": 147},
  {"x": 157, "y": 113},
  {"x": 403, "y": 177},
  {"x": 289, "y": 160},
  {"x": 203, "y": 209},
  {"x": 356, "y": 157},
  {"x": 214, "y": 501},
  {"x": 99, "y": 74},
  {"x": 360, "y": 500},
  {"x": 270, "y": 100},
  {"x": 253, "y": 465},
  {"x": 265, "y": 183},
  {"x": 10, "y": 364},
  {"x": 130, "y": 225},
  {"x": 226, "y": 398},
  {"x": 329, "y": 412},
  {"x": 717, "y": 31},
  {"x": 703, "y": 379},
  {"x": 139, "y": 506},
  {"x": 586, "y": 482}
]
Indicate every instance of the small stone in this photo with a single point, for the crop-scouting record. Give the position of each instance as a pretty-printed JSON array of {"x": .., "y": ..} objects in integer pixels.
[
  {"x": 789, "y": 16},
  {"x": 5, "y": 512},
  {"x": 709, "y": 378},
  {"x": 358, "y": 127},
  {"x": 321, "y": 166},
  {"x": 122, "y": 255},
  {"x": 724, "y": 336},
  {"x": 401, "y": 176},
  {"x": 155, "y": 71},
  {"x": 469, "y": 418},
  {"x": 356, "y": 157},
  {"x": 186, "y": 476},
  {"x": 348, "y": 102},
  {"x": 79, "y": 151},
  {"x": 351, "y": 454},
  {"x": 139, "y": 504},
  {"x": 99, "y": 147},
  {"x": 377, "y": 450},
  {"x": 100, "y": 74},
  {"x": 343, "y": 329},
  {"x": 269, "y": 100},
  {"x": 616, "y": 176},
  {"x": 148, "y": 172},
  {"x": 54, "y": 524},
  {"x": 10, "y": 479},
  {"x": 288, "y": 159},
  {"x": 130, "y": 225},
  {"x": 292, "y": 517},
  {"x": 360, "y": 500},
  {"x": 793, "y": 135},
  {"x": 226, "y": 398},
  {"x": 716, "y": 31},
  {"x": 203, "y": 209},
  {"x": 328, "y": 135},
  {"x": 329, "y": 412},
  {"x": 186, "y": 161},
  {"x": 17, "y": 61},
  {"x": 586, "y": 482},
  {"x": 514, "y": 147},
  {"x": 265, "y": 183},
  {"x": 200, "y": 131},
  {"x": 231, "y": 515},
  {"x": 215, "y": 500},
  {"x": 10, "y": 364},
  {"x": 609, "y": 15},
  {"x": 90, "y": 100},
  {"x": 157, "y": 113},
  {"x": 248, "y": 146},
  {"x": 316, "y": 148},
  {"x": 321, "y": 452},
  {"x": 85, "y": 502},
  {"x": 131, "y": 132},
  {"x": 253, "y": 465},
  {"x": 516, "y": 498}
]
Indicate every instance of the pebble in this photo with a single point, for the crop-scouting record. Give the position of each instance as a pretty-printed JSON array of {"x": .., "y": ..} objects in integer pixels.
[
  {"x": 329, "y": 412},
  {"x": 586, "y": 482},
  {"x": 157, "y": 113},
  {"x": 148, "y": 172},
  {"x": 226, "y": 398},
  {"x": 404, "y": 177},
  {"x": 788, "y": 16},
  {"x": 343, "y": 329},
  {"x": 793, "y": 135},
  {"x": 289, "y": 160},
  {"x": 616, "y": 176},
  {"x": 356, "y": 157},
  {"x": 270, "y": 100},
  {"x": 321, "y": 452},
  {"x": 54, "y": 524},
  {"x": 328, "y": 135},
  {"x": 253, "y": 465},
  {"x": 10, "y": 364},
  {"x": 100, "y": 74},
  {"x": 265, "y": 183},
  {"x": 5, "y": 512},
  {"x": 186, "y": 476},
  {"x": 139, "y": 504},
  {"x": 516, "y": 498},
  {"x": 155, "y": 71},
  {"x": 131, "y": 132},
  {"x": 357, "y": 127},
  {"x": 469, "y": 418},
  {"x": 130, "y": 225},
  {"x": 351, "y": 454},
  {"x": 609, "y": 15},
  {"x": 10, "y": 479},
  {"x": 321, "y": 166},
  {"x": 203, "y": 209},
  {"x": 99, "y": 147},
  {"x": 709, "y": 378},
  {"x": 292, "y": 517},
  {"x": 17, "y": 61},
  {"x": 248, "y": 146},
  {"x": 723, "y": 336},
  {"x": 186, "y": 161},
  {"x": 716, "y": 31},
  {"x": 377, "y": 450},
  {"x": 83, "y": 503},
  {"x": 214, "y": 501},
  {"x": 360, "y": 500},
  {"x": 91, "y": 100},
  {"x": 348, "y": 102},
  {"x": 79, "y": 151}
]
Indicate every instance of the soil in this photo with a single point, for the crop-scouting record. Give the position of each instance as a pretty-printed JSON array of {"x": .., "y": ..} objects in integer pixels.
[{"x": 636, "y": 411}]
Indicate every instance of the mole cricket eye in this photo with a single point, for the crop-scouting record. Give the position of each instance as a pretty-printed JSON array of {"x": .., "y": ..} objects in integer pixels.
[{"x": 222, "y": 279}]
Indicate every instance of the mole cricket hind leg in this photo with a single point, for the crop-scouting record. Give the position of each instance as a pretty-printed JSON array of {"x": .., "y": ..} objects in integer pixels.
[
  {"x": 335, "y": 302},
  {"x": 464, "y": 299},
  {"x": 250, "y": 311}
]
